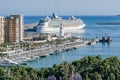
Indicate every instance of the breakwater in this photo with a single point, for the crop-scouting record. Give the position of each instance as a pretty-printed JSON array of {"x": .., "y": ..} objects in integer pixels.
[{"x": 109, "y": 23}]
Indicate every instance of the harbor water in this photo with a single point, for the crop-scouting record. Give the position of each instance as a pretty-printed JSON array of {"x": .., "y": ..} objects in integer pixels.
[{"x": 91, "y": 30}]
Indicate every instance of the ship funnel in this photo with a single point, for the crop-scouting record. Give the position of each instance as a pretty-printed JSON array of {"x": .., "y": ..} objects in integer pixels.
[{"x": 55, "y": 16}]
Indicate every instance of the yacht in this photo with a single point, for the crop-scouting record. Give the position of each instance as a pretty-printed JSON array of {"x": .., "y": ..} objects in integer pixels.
[
  {"x": 53, "y": 24},
  {"x": 7, "y": 62}
]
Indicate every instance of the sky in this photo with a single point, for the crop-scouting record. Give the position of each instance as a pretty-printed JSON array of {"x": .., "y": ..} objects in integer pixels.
[{"x": 61, "y": 7}]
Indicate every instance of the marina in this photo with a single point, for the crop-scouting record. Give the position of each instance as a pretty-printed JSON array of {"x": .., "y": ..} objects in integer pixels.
[{"x": 26, "y": 56}]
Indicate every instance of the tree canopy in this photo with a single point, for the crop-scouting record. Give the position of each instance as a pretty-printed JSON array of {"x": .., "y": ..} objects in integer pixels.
[{"x": 87, "y": 68}]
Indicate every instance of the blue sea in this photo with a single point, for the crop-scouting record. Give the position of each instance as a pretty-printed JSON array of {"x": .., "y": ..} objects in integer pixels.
[{"x": 91, "y": 30}]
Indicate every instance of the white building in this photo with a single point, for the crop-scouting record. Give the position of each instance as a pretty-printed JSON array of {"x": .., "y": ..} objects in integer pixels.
[
  {"x": 61, "y": 31},
  {"x": 1, "y": 29}
]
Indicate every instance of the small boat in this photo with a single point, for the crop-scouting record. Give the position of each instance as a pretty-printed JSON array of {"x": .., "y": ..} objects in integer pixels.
[
  {"x": 34, "y": 57},
  {"x": 23, "y": 63},
  {"x": 68, "y": 49},
  {"x": 74, "y": 48},
  {"x": 91, "y": 43},
  {"x": 56, "y": 51},
  {"x": 44, "y": 55},
  {"x": 23, "y": 59}
]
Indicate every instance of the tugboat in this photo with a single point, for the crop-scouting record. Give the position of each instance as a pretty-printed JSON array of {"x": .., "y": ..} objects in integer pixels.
[{"x": 104, "y": 39}]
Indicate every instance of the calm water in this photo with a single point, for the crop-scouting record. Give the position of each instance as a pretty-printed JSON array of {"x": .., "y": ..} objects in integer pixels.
[{"x": 91, "y": 30}]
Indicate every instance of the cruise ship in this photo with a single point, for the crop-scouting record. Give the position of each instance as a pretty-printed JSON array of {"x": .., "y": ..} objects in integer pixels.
[{"x": 53, "y": 24}]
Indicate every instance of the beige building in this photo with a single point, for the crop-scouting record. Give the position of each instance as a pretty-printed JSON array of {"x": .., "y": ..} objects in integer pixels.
[
  {"x": 14, "y": 28},
  {"x": 1, "y": 29},
  {"x": 49, "y": 37}
]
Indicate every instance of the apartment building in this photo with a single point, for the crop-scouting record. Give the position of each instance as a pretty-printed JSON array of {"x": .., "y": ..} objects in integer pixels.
[{"x": 14, "y": 28}]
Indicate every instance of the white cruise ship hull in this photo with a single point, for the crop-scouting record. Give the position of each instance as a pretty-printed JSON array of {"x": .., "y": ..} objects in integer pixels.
[{"x": 45, "y": 29}]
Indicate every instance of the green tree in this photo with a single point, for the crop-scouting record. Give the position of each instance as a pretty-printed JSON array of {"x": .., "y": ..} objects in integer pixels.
[{"x": 112, "y": 76}]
